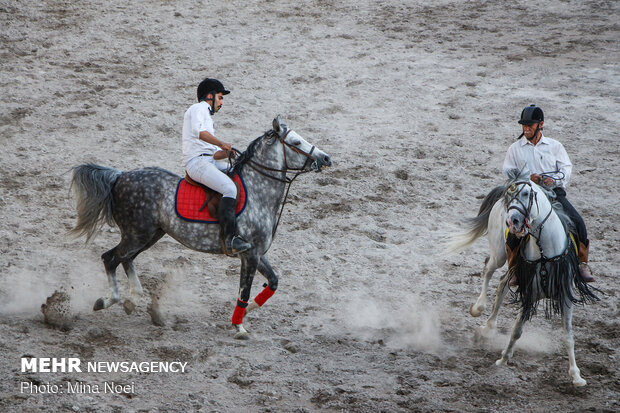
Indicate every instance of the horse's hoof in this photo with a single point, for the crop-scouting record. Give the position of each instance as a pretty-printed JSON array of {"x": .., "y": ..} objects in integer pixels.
[
  {"x": 99, "y": 305},
  {"x": 129, "y": 307},
  {"x": 501, "y": 362},
  {"x": 242, "y": 335},
  {"x": 579, "y": 382},
  {"x": 475, "y": 313}
]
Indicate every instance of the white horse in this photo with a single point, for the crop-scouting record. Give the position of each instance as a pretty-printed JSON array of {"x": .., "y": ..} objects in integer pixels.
[{"x": 547, "y": 268}]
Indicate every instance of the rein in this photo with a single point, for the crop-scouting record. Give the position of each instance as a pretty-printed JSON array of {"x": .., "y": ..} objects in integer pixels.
[{"x": 264, "y": 170}]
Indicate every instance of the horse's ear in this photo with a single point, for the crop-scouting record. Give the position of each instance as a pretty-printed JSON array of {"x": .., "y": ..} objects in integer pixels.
[{"x": 278, "y": 126}]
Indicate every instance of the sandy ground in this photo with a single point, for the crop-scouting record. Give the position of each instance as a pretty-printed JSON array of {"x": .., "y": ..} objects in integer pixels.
[{"x": 416, "y": 101}]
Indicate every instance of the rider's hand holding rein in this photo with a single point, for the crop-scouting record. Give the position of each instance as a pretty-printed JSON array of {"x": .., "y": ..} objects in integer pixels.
[
  {"x": 209, "y": 138},
  {"x": 548, "y": 181}
]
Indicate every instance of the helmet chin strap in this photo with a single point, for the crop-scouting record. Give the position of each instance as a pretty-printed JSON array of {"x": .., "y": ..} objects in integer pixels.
[{"x": 212, "y": 105}]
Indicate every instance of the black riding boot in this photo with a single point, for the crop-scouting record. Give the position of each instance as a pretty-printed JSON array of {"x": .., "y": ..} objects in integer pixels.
[{"x": 228, "y": 222}]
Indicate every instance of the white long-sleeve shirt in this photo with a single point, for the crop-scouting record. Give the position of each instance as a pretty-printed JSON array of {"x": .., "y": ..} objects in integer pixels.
[
  {"x": 548, "y": 155},
  {"x": 197, "y": 119}
]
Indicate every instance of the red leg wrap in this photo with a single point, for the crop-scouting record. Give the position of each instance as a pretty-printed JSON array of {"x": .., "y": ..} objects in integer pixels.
[
  {"x": 237, "y": 317},
  {"x": 264, "y": 296}
]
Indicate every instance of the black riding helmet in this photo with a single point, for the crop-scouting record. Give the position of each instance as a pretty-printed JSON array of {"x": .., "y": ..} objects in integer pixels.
[
  {"x": 531, "y": 114},
  {"x": 210, "y": 86}
]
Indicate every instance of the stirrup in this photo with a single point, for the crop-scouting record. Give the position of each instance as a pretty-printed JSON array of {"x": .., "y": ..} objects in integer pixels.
[{"x": 238, "y": 245}]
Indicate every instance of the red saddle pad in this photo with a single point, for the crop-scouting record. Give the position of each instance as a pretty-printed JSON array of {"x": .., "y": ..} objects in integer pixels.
[{"x": 190, "y": 199}]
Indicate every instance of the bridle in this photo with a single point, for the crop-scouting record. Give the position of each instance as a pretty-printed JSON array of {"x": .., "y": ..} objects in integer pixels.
[
  {"x": 265, "y": 170},
  {"x": 526, "y": 210},
  {"x": 514, "y": 191}
]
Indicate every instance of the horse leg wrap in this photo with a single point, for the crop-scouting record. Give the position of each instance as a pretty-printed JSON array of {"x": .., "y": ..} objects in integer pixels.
[
  {"x": 239, "y": 312},
  {"x": 264, "y": 296}
]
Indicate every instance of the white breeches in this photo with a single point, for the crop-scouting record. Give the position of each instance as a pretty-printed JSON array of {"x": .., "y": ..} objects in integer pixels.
[{"x": 207, "y": 171}]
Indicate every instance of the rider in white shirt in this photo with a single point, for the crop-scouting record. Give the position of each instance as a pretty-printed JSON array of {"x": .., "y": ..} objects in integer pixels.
[
  {"x": 204, "y": 157},
  {"x": 549, "y": 166}
]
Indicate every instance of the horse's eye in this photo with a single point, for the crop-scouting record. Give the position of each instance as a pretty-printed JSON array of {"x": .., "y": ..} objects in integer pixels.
[{"x": 295, "y": 142}]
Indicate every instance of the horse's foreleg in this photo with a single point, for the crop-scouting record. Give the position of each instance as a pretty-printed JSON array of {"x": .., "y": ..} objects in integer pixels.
[
  {"x": 269, "y": 289},
  {"x": 110, "y": 262},
  {"x": 248, "y": 269},
  {"x": 481, "y": 303},
  {"x": 491, "y": 324},
  {"x": 517, "y": 329},
  {"x": 569, "y": 342},
  {"x": 135, "y": 288}
]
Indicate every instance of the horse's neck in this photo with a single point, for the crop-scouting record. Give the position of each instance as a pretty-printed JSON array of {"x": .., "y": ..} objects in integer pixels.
[
  {"x": 270, "y": 155},
  {"x": 547, "y": 230},
  {"x": 267, "y": 185}
]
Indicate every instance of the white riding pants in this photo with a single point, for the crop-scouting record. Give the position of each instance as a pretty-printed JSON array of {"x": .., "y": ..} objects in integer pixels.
[{"x": 208, "y": 171}]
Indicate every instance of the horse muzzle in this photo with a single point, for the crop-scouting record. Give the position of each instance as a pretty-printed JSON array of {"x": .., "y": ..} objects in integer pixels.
[
  {"x": 517, "y": 225},
  {"x": 321, "y": 161}
]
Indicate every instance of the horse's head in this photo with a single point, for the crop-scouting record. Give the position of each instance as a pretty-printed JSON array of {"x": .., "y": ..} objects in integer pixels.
[
  {"x": 521, "y": 206},
  {"x": 298, "y": 153}
]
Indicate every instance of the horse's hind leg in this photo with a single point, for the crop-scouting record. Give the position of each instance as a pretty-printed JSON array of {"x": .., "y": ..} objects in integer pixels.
[
  {"x": 569, "y": 342},
  {"x": 269, "y": 289},
  {"x": 135, "y": 288},
  {"x": 517, "y": 329},
  {"x": 125, "y": 251},
  {"x": 110, "y": 262}
]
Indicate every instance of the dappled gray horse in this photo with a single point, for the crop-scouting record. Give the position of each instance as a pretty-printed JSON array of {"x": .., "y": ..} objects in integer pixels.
[{"x": 142, "y": 204}]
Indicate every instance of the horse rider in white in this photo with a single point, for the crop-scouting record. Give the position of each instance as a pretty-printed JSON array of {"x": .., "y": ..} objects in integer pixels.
[
  {"x": 205, "y": 158},
  {"x": 549, "y": 165}
]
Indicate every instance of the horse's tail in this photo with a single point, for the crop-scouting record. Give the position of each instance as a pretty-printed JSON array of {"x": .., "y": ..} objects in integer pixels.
[
  {"x": 476, "y": 227},
  {"x": 92, "y": 185}
]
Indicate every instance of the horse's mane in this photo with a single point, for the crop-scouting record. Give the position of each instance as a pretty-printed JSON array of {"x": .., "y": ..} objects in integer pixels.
[
  {"x": 246, "y": 155},
  {"x": 519, "y": 175}
]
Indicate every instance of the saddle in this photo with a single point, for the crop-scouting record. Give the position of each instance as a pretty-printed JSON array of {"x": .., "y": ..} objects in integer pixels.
[{"x": 199, "y": 203}]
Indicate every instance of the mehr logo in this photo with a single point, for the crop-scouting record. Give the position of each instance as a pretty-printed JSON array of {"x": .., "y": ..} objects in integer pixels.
[
  {"x": 51, "y": 365},
  {"x": 72, "y": 364}
]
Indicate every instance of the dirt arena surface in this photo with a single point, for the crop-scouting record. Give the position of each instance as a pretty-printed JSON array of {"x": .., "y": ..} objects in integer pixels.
[{"x": 416, "y": 102}]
